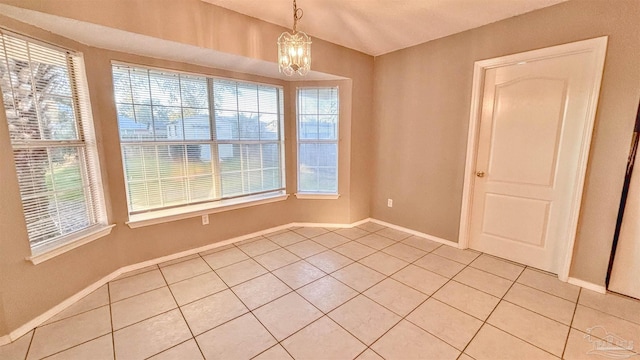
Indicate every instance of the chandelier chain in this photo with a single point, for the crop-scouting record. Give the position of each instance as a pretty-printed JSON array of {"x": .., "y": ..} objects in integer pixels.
[{"x": 297, "y": 15}]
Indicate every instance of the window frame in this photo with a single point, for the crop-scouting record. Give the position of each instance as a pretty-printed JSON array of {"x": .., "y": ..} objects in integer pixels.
[
  {"x": 85, "y": 142},
  {"x": 317, "y": 195},
  {"x": 218, "y": 204}
]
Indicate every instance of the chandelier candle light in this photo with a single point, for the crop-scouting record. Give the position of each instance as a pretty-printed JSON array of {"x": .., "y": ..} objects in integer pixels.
[{"x": 294, "y": 50}]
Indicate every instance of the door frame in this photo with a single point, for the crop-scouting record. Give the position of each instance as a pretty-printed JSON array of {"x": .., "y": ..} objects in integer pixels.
[{"x": 597, "y": 47}]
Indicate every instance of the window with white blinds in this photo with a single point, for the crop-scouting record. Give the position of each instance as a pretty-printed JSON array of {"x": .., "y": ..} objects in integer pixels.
[
  {"x": 318, "y": 118},
  {"x": 189, "y": 139},
  {"x": 51, "y": 131}
]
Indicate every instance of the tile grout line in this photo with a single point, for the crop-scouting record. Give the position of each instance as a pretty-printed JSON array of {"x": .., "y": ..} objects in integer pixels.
[
  {"x": 305, "y": 238},
  {"x": 548, "y": 293},
  {"x": 485, "y": 293},
  {"x": 174, "y": 346},
  {"x": 120, "y": 300},
  {"x": 490, "y": 273},
  {"x": 436, "y": 336},
  {"x": 431, "y": 297},
  {"x": 606, "y": 313},
  {"x": 410, "y": 312},
  {"x": 320, "y": 310},
  {"x": 157, "y": 267},
  {"x": 30, "y": 343},
  {"x": 310, "y": 303},
  {"x": 271, "y": 347},
  {"x": 167, "y": 285},
  {"x": 82, "y": 342},
  {"x": 536, "y": 346},
  {"x": 135, "y": 272},
  {"x": 575, "y": 308},
  {"x": 362, "y": 352},
  {"x": 74, "y": 346},
  {"x": 249, "y": 311},
  {"x": 482, "y": 290},
  {"x": 368, "y": 267},
  {"x": 526, "y": 341},
  {"x": 388, "y": 277},
  {"x": 139, "y": 321},
  {"x": 49, "y": 322},
  {"x": 167, "y": 311},
  {"x": 113, "y": 338},
  {"x": 588, "y": 307},
  {"x": 181, "y": 314},
  {"x": 198, "y": 255},
  {"x": 535, "y": 312},
  {"x": 492, "y": 311},
  {"x": 215, "y": 272},
  {"x": 158, "y": 314},
  {"x": 362, "y": 293},
  {"x": 178, "y": 261},
  {"x": 347, "y": 265}
]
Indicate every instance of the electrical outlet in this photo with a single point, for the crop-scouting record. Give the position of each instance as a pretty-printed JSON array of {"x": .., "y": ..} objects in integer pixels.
[
  {"x": 205, "y": 219},
  {"x": 389, "y": 202}
]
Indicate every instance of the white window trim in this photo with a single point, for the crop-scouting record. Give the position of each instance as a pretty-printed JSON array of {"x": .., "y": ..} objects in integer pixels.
[
  {"x": 86, "y": 139},
  {"x": 310, "y": 195},
  {"x": 70, "y": 242},
  {"x": 190, "y": 211},
  {"x": 316, "y": 196}
]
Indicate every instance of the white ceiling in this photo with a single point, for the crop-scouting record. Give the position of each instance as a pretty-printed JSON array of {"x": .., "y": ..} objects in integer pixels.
[{"x": 376, "y": 27}]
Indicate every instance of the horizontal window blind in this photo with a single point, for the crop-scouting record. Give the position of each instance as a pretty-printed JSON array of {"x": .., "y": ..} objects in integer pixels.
[
  {"x": 51, "y": 130},
  {"x": 318, "y": 121},
  {"x": 189, "y": 139}
]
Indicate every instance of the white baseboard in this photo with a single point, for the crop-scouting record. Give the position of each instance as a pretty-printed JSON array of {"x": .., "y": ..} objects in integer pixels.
[
  {"x": 37, "y": 321},
  {"x": 333, "y": 225},
  {"x": 416, "y": 233},
  {"x": 587, "y": 285},
  {"x": 218, "y": 244},
  {"x": 584, "y": 284},
  {"x": 30, "y": 325}
]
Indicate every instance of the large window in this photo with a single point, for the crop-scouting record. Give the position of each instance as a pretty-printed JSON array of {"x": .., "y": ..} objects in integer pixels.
[
  {"x": 318, "y": 117},
  {"x": 189, "y": 139},
  {"x": 53, "y": 143}
]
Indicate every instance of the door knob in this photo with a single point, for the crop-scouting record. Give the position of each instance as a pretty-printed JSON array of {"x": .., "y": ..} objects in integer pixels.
[{"x": 480, "y": 174}]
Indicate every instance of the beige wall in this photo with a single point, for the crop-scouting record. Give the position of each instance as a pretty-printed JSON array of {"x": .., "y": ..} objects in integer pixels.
[
  {"x": 29, "y": 290},
  {"x": 421, "y": 104}
]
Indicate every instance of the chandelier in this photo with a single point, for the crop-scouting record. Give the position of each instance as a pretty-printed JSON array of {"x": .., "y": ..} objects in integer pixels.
[{"x": 294, "y": 50}]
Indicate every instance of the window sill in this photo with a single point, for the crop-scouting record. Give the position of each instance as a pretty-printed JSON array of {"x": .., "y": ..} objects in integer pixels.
[
  {"x": 190, "y": 211},
  {"x": 70, "y": 243},
  {"x": 315, "y": 196}
]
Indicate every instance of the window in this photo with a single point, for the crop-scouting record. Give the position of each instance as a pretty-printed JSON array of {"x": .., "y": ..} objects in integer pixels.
[
  {"x": 318, "y": 116},
  {"x": 190, "y": 139},
  {"x": 53, "y": 142}
]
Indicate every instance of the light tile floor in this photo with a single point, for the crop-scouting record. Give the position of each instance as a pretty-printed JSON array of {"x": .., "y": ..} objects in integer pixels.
[{"x": 369, "y": 292}]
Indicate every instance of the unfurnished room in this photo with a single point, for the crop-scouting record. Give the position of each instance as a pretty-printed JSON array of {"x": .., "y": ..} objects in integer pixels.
[{"x": 319, "y": 179}]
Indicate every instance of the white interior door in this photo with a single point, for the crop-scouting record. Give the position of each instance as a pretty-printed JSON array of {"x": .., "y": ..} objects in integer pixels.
[
  {"x": 625, "y": 274},
  {"x": 532, "y": 127}
]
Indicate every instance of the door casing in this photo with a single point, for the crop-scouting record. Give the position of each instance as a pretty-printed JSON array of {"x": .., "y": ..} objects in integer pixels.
[{"x": 597, "y": 47}]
